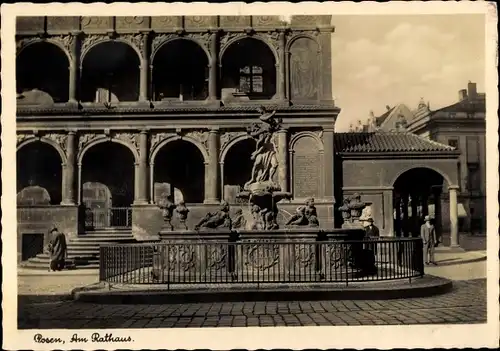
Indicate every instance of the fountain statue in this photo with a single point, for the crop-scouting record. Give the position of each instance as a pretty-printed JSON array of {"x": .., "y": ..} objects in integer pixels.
[
  {"x": 182, "y": 213},
  {"x": 167, "y": 206},
  {"x": 305, "y": 215},
  {"x": 217, "y": 219},
  {"x": 261, "y": 191}
]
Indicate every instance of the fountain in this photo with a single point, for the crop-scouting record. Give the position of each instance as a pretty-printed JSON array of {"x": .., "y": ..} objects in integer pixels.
[
  {"x": 263, "y": 248},
  {"x": 261, "y": 191}
]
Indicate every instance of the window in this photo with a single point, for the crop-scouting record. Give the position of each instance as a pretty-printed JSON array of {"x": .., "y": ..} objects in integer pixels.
[
  {"x": 453, "y": 143},
  {"x": 251, "y": 79},
  {"x": 474, "y": 180}
]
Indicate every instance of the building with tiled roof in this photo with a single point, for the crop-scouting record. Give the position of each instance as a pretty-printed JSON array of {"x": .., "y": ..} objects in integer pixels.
[
  {"x": 115, "y": 115},
  {"x": 460, "y": 125}
]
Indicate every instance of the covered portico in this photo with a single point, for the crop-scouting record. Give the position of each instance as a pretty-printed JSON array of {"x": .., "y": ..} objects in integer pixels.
[{"x": 401, "y": 176}]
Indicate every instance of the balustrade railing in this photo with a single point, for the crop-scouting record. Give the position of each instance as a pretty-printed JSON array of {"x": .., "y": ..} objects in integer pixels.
[
  {"x": 96, "y": 218},
  {"x": 261, "y": 262}
]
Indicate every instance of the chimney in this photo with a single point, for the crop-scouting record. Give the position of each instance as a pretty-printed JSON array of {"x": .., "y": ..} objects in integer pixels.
[
  {"x": 462, "y": 94},
  {"x": 387, "y": 107},
  {"x": 472, "y": 88}
]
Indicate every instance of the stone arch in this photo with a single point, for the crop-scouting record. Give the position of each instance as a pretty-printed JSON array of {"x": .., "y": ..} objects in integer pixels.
[
  {"x": 445, "y": 176},
  {"x": 227, "y": 147},
  {"x": 236, "y": 166},
  {"x": 106, "y": 182},
  {"x": 47, "y": 141},
  {"x": 302, "y": 36},
  {"x": 304, "y": 134},
  {"x": 248, "y": 66},
  {"x": 110, "y": 71},
  {"x": 181, "y": 171},
  {"x": 81, "y": 153},
  {"x": 244, "y": 37},
  {"x": 172, "y": 138},
  {"x": 42, "y": 73},
  {"x": 179, "y": 66},
  {"x": 105, "y": 40},
  {"x": 415, "y": 187},
  {"x": 170, "y": 40},
  {"x": 57, "y": 43},
  {"x": 39, "y": 172}
]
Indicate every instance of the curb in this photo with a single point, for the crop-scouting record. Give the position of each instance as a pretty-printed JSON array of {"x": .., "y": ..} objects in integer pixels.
[{"x": 420, "y": 287}]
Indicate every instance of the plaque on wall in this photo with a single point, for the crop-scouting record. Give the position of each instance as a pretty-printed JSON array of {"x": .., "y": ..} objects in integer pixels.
[
  {"x": 304, "y": 65},
  {"x": 306, "y": 163}
]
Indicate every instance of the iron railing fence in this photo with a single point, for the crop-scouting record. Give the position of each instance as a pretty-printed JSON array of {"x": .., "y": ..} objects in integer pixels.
[
  {"x": 209, "y": 262},
  {"x": 120, "y": 217}
]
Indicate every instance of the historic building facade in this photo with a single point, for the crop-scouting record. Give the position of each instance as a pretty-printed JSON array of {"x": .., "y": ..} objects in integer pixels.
[
  {"x": 115, "y": 113},
  {"x": 461, "y": 125}
]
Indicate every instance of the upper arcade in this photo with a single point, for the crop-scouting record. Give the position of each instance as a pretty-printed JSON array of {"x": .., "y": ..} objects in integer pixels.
[{"x": 176, "y": 61}]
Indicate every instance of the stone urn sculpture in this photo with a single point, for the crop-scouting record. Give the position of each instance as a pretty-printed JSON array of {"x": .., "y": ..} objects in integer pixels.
[
  {"x": 351, "y": 211},
  {"x": 356, "y": 207}
]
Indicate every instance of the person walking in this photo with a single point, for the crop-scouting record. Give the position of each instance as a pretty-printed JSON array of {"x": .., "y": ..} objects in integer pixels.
[
  {"x": 428, "y": 234},
  {"x": 58, "y": 250}
]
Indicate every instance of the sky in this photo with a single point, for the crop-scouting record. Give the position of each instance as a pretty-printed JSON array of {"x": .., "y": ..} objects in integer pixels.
[{"x": 380, "y": 60}]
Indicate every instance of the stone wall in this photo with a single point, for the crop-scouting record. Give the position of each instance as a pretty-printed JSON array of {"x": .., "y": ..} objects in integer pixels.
[
  {"x": 39, "y": 220},
  {"x": 60, "y": 24}
]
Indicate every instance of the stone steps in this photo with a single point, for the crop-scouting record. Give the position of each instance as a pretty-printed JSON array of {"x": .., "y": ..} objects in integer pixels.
[{"x": 83, "y": 251}]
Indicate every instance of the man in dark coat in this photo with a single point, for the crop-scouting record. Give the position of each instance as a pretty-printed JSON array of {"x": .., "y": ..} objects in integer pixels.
[
  {"x": 428, "y": 234},
  {"x": 372, "y": 232},
  {"x": 58, "y": 250}
]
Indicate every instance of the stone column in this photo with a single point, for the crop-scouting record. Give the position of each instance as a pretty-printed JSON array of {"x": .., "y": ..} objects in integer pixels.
[
  {"x": 141, "y": 174},
  {"x": 388, "y": 212},
  {"x": 283, "y": 160},
  {"x": 212, "y": 77},
  {"x": 398, "y": 216},
  {"x": 425, "y": 204},
  {"x": 405, "y": 215},
  {"x": 212, "y": 169},
  {"x": 329, "y": 158},
  {"x": 437, "y": 213},
  {"x": 453, "y": 190},
  {"x": 68, "y": 190},
  {"x": 144, "y": 69},
  {"x": 282, "y": 67},
  {"x": 73, "y": 70},
  {"x": 414, "y": 215}
]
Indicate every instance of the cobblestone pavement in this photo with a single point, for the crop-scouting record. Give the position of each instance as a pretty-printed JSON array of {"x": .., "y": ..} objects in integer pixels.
[{"x": 465, "y": 304}]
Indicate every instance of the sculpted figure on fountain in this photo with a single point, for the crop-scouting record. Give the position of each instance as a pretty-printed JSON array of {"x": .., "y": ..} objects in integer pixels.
[
  {"x": 265, "y": 162},
  {"x": 218, "y": 219}
]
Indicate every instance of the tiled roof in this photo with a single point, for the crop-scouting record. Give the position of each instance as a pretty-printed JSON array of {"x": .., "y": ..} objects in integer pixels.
[
  {"x": 467, "y": 105},
  {"x": 383, "y": 117},
  {"x": 386, "y": 142}
]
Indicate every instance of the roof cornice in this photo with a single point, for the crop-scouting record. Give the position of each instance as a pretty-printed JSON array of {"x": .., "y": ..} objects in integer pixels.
[{"x": 454, "y": 154}]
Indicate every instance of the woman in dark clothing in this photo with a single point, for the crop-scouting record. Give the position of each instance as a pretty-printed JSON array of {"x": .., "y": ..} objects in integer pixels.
[{"x": 57, "y": 250}]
